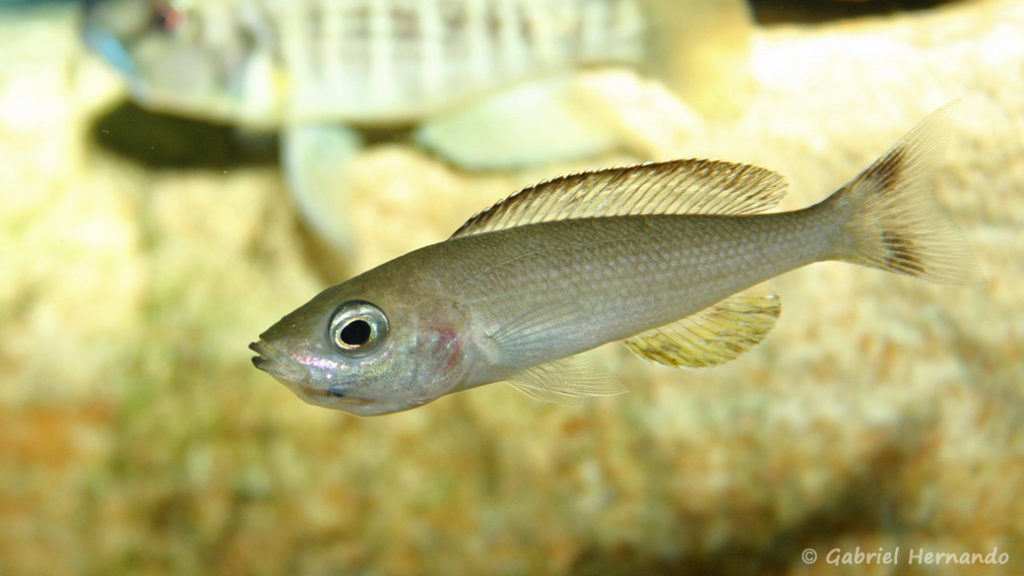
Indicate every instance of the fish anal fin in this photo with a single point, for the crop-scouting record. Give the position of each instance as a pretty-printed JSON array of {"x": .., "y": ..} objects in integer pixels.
[
  {"x": 712, "y": 336},
  {"x": 564, "y": 379},
  {"x": 691, "y": 186}
]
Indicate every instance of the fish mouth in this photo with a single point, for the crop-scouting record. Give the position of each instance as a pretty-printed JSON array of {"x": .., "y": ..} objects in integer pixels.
[
  {"x": 260, "y": 360},
  {"x": 277, "y": 363}
]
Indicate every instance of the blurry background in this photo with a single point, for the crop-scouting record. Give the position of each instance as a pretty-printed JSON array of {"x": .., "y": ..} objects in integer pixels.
[{"x": 141, "y": 253}]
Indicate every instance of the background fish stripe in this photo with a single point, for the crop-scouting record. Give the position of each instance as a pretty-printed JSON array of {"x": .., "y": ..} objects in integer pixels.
[{"x": 400, "y": 51}]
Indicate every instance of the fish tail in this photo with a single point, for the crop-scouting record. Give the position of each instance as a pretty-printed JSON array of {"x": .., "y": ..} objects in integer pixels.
[
  {"x": 890, "y": 218},
  {"x": 701, "y": 50}
]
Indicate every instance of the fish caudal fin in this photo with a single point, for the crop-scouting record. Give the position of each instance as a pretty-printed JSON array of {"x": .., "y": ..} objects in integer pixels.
[{"x": 891, "y": 219}]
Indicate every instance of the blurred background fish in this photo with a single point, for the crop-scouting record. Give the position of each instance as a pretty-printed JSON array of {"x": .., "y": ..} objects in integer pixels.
[{"x": 490, "y": 84}]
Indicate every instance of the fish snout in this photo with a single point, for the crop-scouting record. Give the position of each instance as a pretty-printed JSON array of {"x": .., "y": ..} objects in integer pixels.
[{"x": 276, "y": 362}]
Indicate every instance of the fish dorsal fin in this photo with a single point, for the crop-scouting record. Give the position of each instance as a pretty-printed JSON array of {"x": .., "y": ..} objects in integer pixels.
[
  {"x": 712, "y": 336},
  {"x": 674, "y": 187},
  {"x": 563, "y": 379}
]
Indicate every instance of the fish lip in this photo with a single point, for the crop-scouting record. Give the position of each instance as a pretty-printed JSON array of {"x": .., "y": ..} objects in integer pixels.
[
  {"x": 276, "y": 362},
  {"x": 260, "y": 361},
  {"x": 266, "y": 355}
]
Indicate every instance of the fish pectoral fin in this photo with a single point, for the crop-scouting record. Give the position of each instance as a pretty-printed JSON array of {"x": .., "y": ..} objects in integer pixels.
[
  {"x": 317, "y": 161},
  {"x": 491, "y": 134},
  {"x": 561, "y": 380},
  {"x": 712, "y": 336}
]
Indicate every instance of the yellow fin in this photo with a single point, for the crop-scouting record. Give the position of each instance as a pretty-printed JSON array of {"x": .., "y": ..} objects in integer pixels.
[
  {"x": 563, "y": 379},
  {"x": 676, "y": 187},
  {"x": 712, "y": 336}
]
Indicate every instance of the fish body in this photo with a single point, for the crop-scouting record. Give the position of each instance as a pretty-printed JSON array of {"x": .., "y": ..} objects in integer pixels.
[
  {"x": 657, "y": 255},
  {"x": 370, "y": 62}
]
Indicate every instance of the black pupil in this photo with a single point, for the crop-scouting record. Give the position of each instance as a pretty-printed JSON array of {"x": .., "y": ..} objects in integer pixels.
[{"x": 356, "y": 333}]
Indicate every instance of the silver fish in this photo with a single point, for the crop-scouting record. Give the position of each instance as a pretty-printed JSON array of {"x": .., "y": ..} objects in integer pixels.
[{"x": 658, "y": 255}]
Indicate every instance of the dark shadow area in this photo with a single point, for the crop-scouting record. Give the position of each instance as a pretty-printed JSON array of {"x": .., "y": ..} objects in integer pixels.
[
  {"x": 814, "y": 11},
  {"x": 869, "y": 504},
  {"x": 163, "y": 141}
]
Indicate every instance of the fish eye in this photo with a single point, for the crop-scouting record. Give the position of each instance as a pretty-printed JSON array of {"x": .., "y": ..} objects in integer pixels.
[
  {"x": 167, "y": 17},
  {"x": 358, "y": 326}
]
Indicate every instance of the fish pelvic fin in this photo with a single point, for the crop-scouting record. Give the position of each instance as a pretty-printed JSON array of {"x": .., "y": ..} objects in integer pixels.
[
  {"x": 713, "y": 336},
  {"x": 701, "y": 51},
  {"x": 889, "y": 216},
  {"x": 562, "y": 380}
]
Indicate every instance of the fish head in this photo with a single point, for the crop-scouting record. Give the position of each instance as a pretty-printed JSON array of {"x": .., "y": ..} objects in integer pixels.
[
  {"x": 180, "y": 56},
  {"x": 365, "y": 352}
]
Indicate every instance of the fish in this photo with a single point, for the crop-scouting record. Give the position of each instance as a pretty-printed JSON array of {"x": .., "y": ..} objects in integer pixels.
[
  {"x": 456, "y": 71},
  {"x": 666, "y": 257},
  {"x": 382, "y": 62}
]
